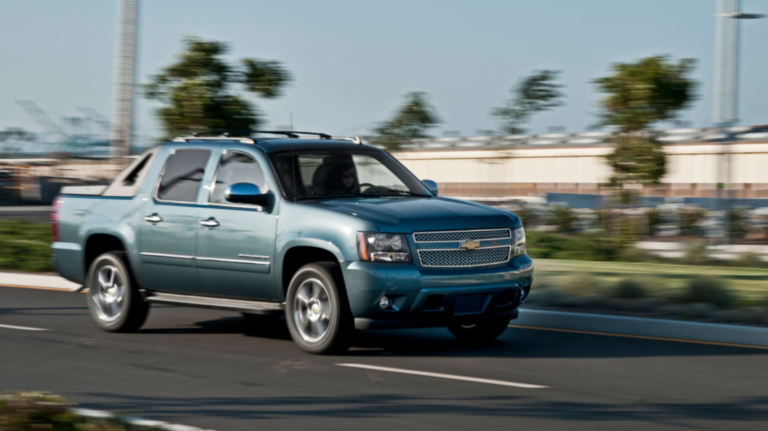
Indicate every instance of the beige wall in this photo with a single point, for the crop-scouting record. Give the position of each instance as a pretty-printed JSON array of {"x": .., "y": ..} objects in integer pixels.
[{"x": 698, "y": 163}]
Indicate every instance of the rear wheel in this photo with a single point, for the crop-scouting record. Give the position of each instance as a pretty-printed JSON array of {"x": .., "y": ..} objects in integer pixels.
[
  {"x": 317, "y": 310},
  {"x": 113, "y": 296},
  {"x": 482, "y": 330}
]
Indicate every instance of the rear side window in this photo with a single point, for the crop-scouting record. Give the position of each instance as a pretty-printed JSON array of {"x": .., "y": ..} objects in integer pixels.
[
  {"x": 184, "y": 171},
  {"x": 234, "y": 168}
]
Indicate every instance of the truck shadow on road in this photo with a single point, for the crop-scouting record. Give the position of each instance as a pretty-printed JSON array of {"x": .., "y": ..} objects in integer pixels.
[{"x": 438, "y": 342}]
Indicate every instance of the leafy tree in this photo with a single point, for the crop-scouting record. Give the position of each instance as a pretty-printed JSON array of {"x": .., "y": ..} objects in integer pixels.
[
  {"x": 412, "y": 121},
  {"x": 535, "y": 93},
  {"x": 652, "y": 90},
  {"x": 200, "y": 89},
  {"x": 637, "y": 96}
]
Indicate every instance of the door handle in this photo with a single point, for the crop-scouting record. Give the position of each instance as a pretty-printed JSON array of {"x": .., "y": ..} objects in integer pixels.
[
  {"x": 210, "y": 223},
  {"x": 154, "y": 219}
]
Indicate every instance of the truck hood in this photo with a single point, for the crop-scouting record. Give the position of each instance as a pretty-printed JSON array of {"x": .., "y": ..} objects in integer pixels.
[{"x": 414, "y": 214}]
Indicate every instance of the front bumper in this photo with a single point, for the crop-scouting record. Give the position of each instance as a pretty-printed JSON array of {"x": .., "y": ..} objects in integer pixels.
[{"x": 422, "y": 297}]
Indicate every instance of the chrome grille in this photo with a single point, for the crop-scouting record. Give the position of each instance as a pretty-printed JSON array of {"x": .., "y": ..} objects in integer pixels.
[
  {"x": 461, "y": 235},
  {"x": 462, "y": 258}
]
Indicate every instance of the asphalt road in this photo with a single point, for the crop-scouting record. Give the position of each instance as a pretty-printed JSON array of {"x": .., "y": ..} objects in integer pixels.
[{"x": 207, "y": 369}]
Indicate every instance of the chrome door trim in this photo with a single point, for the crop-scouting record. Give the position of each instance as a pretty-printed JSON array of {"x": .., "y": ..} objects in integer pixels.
[
  {"x": 210, "y": 223},
  {"x": 216, "y": 259},
  {"x": 212, "y": 302},
  {"x": 173, "y": 256},
  {"x": 154, "y": 219},
  {"x": 203, "y": 258}
]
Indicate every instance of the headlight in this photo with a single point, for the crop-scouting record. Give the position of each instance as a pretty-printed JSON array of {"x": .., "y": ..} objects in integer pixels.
[
  {"x": 519, "y": 249},
  {"x": 383, "y": 247}
]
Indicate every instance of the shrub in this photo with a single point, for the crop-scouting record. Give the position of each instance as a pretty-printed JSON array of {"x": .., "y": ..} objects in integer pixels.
[
  {"x": 43, "y": 411},
  {"x": 690, "y": 218},
  {"x": 591, "y": 246},
  {"x": 749, "y": 260},
  {"x": 25, "y": 245},
  {"x": 564, "y": 219},
  {"x": 709, "y": 290},
  {"x": 696, "y": 254},
  {"x": 629, "y": 288},
  {"x": 654, "y": 220},
  {"x": 634, "y": 254},
  {"x": 582, "y": 284}
]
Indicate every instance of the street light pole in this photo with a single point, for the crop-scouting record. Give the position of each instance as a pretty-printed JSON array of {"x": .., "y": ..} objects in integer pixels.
[
  {"x": 726, "y": 90},
  {"x": 124, "y": 75}
]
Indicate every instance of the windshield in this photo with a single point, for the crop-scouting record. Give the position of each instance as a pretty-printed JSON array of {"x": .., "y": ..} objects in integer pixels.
[{"x": 313, "y": 174}]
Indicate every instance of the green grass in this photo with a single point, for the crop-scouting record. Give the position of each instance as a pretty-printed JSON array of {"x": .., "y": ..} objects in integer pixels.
[
  {"x": 750, "y": 284},
  {"x": 25, "y": 246}
]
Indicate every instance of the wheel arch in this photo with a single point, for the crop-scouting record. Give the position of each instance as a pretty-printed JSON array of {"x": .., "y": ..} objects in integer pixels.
[
  {"x": 98, "y": 243},
  {"x": 303, "y": 253}
]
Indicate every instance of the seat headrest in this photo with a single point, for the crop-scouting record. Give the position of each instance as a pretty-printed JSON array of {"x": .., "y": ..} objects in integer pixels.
[{"x": 320, "y": 177}]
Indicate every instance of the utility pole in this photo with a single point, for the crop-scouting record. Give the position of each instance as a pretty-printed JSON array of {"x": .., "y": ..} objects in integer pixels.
[
  {"x": 725, "y": 113},
  {"x": 125, "y": 71}
]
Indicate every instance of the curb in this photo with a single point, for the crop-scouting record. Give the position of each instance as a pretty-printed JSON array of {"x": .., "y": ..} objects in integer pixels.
[
  {"x": 645, "y": 327},
  {"x": 17, "y": 279},
  {"x": 148, "y": 423}
]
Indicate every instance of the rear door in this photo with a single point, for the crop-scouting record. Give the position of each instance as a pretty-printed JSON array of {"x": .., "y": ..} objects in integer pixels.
[
  {"x": 168, "y": 234},
  {"x": 234, "y": 254}
]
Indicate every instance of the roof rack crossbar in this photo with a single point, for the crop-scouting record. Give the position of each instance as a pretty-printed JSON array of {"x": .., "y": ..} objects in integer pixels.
[
  {"x": 246, "y": 135},
  {"x": 213, "y": 138},
  {"x": 294, "y": 134}
]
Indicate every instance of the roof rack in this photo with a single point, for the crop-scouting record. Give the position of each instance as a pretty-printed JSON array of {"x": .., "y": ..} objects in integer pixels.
[
  {"x": 356, "y": 139},
  {"x": 244, "y": 136},
  {"x": 293, "y": 134}
]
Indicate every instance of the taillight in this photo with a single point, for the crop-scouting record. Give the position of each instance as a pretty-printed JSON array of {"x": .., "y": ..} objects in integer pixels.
[{"x": 55, "y": 219}]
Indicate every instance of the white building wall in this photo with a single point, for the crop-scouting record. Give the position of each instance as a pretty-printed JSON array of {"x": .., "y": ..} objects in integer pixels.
[{"x": 698, "y": 163}]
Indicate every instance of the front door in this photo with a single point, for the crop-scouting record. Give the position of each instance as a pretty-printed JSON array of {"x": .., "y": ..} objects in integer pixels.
[
  {"x": 234, "y": 253},
  {"x": 168, "y": 234}
]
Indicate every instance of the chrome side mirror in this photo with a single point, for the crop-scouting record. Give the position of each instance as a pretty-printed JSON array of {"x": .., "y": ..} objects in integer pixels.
[
  {"x": 431, "y": 186},
  {"x": 246, "y": 193}
]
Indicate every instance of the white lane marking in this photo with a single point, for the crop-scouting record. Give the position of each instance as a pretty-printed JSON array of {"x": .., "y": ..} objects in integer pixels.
[
  {"x": 445, "y": 376},
  {"x": 22, "y": 328},
  {"x": 100, "y": 414}
]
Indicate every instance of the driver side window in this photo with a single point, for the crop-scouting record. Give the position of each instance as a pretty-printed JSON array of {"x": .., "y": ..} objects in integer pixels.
[{"x": 236, "y": 167}]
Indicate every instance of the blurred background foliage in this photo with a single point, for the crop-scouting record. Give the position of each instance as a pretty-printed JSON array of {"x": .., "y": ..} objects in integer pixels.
[{"x": 200, "y": 90}]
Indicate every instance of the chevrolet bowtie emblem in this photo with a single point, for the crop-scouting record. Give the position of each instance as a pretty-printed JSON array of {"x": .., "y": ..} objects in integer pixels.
[{"x": 469, "y": 244}]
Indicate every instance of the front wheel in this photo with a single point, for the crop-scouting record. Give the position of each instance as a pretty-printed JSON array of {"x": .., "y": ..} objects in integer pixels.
[
  {"x": 113, "y": 296},
  {"x": 317, "y": 311},
  {"x": 482, "y": 330}
]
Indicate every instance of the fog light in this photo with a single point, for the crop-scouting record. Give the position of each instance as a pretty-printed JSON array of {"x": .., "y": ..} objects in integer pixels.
[
  {"x": 384, "y": 303},
  {"x": 523, "y": 293}
]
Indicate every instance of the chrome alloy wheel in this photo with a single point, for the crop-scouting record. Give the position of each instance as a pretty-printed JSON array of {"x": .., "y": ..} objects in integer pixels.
[
  {"x": 312, "y": 310},
  {"x": 108, "y": 294}
]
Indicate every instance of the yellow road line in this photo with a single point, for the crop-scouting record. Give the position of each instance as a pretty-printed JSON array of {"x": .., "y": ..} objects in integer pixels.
[{"x": 642, "y": 337}]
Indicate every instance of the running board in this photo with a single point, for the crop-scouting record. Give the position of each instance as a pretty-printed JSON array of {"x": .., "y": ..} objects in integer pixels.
[{"x": 218, "y": 303}]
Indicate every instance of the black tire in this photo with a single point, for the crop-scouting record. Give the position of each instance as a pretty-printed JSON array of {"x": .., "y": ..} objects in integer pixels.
[
  {"x": 133, "y": 310},
  {"x": 340, "y": 326},
  {"x": 481, "y": 331}
]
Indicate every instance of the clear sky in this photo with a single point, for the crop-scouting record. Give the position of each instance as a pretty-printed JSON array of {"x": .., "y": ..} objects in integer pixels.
[{"x": 353, "y": 60}]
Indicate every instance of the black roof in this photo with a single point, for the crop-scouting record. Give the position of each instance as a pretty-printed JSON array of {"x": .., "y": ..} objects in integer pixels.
[{"x": 279, "y": 144}]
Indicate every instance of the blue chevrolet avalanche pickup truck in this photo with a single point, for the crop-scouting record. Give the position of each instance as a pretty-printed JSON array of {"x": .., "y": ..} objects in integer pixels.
[{"x": 332, "y": 233}]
